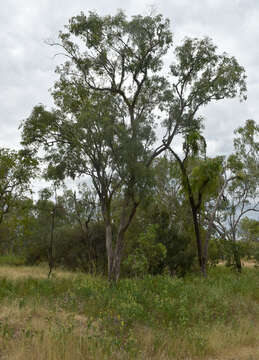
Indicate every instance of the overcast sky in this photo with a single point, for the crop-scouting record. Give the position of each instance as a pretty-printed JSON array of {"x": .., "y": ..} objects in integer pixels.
[{"x": 27, "y": 64}]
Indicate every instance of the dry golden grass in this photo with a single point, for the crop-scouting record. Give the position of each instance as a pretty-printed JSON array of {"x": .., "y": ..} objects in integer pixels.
[
  {"x": 37, "y": 272},
  {"x": 245, "y": 263},
  {"x": 222, "y": 344},
  {"x": 36, "y": 333},
  {"x": 249, "y": 263},
  {"x": 240, "y": 344}
]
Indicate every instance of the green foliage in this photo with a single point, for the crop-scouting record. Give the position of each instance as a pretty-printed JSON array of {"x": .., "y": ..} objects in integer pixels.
[
  {"x": 93, "y": 105},
  {"x": 244, "y": 162},
  {"x": 148, "y": 255},
  {"x": 233, "y": 250},
  {"x": 211, "y": 76},
  {"x": 217, "y": 251},
  {"x": 73, "y": 251},
  {"x": 205, "y": 177},
  {"x": 11, "y": 259},
  {"x": 201, "y": 75},
  {"x": 17, "y": 227},
  {"x": 16, "y": 171},
  {"x": 72, "y": 248},
  {"x": 249, "y": 229},
  {"x": 144, "y": 250},
  {"x": 136, "y": 264},
  {"x": 176, "y": 235}
]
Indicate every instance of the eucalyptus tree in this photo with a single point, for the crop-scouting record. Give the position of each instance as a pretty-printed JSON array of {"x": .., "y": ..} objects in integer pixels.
[
  {"x": 200, "y": 76},
  {"x": 103, "y": 122}
]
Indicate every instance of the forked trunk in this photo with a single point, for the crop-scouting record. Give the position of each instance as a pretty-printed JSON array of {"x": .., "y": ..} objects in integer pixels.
[{"x": 115, "y": 247}]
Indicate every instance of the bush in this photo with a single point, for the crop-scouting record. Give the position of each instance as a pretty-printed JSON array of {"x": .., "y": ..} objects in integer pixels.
[{"x": 148, "y": 255}]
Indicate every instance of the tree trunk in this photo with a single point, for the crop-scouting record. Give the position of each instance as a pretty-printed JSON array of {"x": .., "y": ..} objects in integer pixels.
[
  {"x": 114, "y": 254},
  {"x": 195, "y": 213},
  {"x": 118, "y": 251},
  {"x": 51, "y": 260},
  {"x": 115, "y": 250},
  {"x": 201, "y": 259},
  {"x": 236, "y": 255},
  {"x": 116, "y": 265},
  {"x": 109, "y": 247},
  {"x": 237, "y": 259}
]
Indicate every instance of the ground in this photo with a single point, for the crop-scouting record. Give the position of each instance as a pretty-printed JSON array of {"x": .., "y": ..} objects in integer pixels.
[{"x": 76, "y": 316}]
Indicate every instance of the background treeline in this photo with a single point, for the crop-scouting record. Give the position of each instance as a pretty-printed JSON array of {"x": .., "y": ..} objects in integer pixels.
[{"x": 65, "y": 228}]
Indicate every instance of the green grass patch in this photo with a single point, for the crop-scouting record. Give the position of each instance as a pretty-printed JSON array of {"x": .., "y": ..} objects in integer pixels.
[
  {"x": 171, "y": 308},
  {"x": 12, "y": 260}
]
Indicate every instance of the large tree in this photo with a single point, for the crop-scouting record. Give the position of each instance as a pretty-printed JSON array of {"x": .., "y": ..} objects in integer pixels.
[
  {"x": 102, "y": 126},
  {"x": 200, "y": 76}
]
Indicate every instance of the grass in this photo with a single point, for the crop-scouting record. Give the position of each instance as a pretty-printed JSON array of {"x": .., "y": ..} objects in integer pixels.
[{"x": 76, "y": 316}]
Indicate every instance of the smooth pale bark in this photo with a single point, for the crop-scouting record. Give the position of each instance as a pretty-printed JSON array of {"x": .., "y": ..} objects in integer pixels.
[{"x": 115, "y": 246}]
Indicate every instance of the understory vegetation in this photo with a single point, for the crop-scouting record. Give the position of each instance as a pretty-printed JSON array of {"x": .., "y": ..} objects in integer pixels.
[{"x": 79, "y": 316}]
